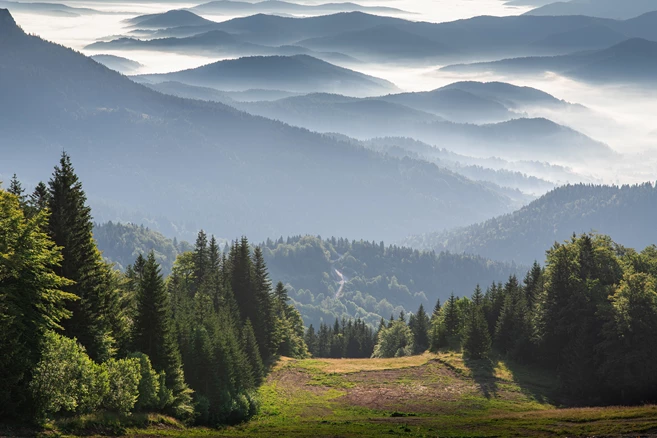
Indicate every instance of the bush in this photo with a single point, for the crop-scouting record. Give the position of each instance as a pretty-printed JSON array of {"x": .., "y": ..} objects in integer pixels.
[
  {"x": 66, "y": 379},
  {"x": 394, "y": 341},
  {"x": 124, "y": 378},
  {"x": 150, "y": 395}
]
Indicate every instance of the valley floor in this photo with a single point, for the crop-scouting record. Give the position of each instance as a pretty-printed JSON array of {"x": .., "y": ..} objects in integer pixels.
[{"x": 421, "y": 396}]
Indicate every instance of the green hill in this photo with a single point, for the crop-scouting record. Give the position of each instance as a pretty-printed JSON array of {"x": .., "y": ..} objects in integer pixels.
[
  {"x": 626, "y": 213},
  {"x": 378, "y": 280}
]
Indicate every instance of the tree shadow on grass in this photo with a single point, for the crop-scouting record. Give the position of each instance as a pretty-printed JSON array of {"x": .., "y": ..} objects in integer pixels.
[
  {"x": 483, "y": 373},
  {"x": 536, "y": 383}
]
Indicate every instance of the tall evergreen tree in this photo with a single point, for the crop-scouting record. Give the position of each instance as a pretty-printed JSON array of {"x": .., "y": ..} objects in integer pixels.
[
  {"x": 312, "y": 341},
  {"x": 39, "y": 198},
  {"x": 250, "y": 347},
  {"x": 16, "y": 189},
  {"x": 70, "y": 226},
  {"x": 476, "y": 342},
  {"x": 420, "y": 329},
  {"x": 265, "y": 324},
  {"x": 153, "y": 336},
  {"x": 201, "y": 260}
]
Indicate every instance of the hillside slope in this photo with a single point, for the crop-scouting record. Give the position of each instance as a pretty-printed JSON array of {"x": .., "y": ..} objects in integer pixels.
[
  {"x": 625, "y": 213},
  {"x": 147, "y": 156},
  {"x": 298, "y": 73}
]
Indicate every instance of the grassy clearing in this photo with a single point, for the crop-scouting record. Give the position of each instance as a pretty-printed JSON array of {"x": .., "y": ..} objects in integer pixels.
[{"x": 424, "y": 396}]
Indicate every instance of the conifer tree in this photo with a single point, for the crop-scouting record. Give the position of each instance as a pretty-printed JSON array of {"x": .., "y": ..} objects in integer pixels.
[
  {"x": 312, "y": 341},
  {"x": 201, "y": 260},
  {"x": 153, "y": 336},
  {"x": 39, "y": 198},
  {"x": 420, "y": 329},
  {"x": 265, "y": 324},
  {"x": 477, "y": 341},
  {"x": 70, "y": 226},
  {"x": 436, "y": 310},
  {"x": 16, "y": 189},
  {"x": 250, "y": 347}
]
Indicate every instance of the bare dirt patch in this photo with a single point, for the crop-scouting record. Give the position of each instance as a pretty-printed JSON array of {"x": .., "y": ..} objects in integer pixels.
[{"x": 425, "y": 389}]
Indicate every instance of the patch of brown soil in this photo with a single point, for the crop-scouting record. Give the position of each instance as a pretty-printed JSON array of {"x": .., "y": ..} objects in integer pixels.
[
  {"x": 291, "y": 380},
  {"x": 424, "y": 389}
]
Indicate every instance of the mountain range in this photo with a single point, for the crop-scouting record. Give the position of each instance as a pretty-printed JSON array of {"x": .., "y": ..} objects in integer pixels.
[
  {"x": 631, "y": 62},
  {"x": 227, "y": 7},
  {"x": 151, "y": 158},
  {"x": 214, "y": 43},
  {"x": 173, "y": 18},
  {"x": 597, "y": 8},
  {"x": 481, "y": 38},
  {"x": 298, "y": 73}
]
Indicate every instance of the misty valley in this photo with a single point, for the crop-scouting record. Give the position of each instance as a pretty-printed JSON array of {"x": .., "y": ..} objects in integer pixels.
[{"x": 328, "y": 219}]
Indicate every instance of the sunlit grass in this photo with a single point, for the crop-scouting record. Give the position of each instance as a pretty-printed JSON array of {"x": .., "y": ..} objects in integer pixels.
[{"x": 310, "y": 398}]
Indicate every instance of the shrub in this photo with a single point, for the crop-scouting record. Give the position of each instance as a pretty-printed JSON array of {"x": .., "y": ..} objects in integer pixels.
[
  {"x": 124, "y": 378},
  {"x": 394, "y": 341},
  {"x": 150, "y": 395},
  {"x": 66, "y": 379}
]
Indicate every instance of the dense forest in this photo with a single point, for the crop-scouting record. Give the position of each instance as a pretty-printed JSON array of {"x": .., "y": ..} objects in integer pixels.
[
  {"x": 78, "y": 336},
  {"x": 589, "y": 315},
  {"x": 623, "y": 212},
  {"x": 333, "y": 278}
]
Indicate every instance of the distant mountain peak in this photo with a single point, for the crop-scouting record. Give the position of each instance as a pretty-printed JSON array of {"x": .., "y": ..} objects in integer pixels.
[{"x": 6, "y": 20}]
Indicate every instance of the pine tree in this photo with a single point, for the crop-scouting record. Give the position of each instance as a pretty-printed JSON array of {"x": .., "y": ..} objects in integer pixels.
[
  {"x": 436, "y": 310},
  {"x": 420, "y": 329},
  {"x": 451, "y": 316},
  {"x": 201, "y": 261},
  {"x": 153, "y": 335},
  {"x": 250, "y": 347},
  {"x": 312, "y": 341},
  {"x": 16, "y": 189},
  {"x": 39, "y": 198},
  {"x": 32, "y": 300},
  {"x": 71, "y": 226},
  {"x": 265, "y": 324},
  {"x": 476, "y": 342}
]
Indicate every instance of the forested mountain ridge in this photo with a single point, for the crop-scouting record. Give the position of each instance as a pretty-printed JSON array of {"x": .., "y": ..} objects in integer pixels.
[
  {"x": 133, "y": 139},
  {"x": 626, "y": 213},
  {"x": 121, "y": 244},
  {"x": 482, "y": 37},
  {"x": 297, "y": 73},
  {"x": 334, "y": 278}
]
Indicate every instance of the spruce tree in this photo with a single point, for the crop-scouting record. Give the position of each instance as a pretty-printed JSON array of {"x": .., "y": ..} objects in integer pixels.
[
  {"x": 153, "y": 335},
  {"x": 312, "y": 341},
  {"x": 201, "y": 260},
  {"x": 39, "y": 199},
  {"x": 420, "y": 330},
  {"x": 250, "y": 347},
  {"x": 477, "y": 341},
  {"x": 265, "y": 324},
  {"x": 16, "y": 189},
  {"x": 71, "y": 226},
  {"x": 436, "y": 310}
]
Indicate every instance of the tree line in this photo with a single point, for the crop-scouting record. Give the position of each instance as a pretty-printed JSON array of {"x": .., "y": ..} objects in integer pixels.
[
  {"x": 589, "y": 316},
  {"x": 78, "y": 336}
]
